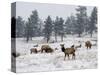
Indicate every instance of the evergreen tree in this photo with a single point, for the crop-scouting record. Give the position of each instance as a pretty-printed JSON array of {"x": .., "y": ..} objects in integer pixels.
[
  {"x": 70, "y": 24},
  {"x": 33, "y": 19},
  {"x": 81, "y": 17},
  {"x": 93, "y": 21},
  {"x": 61, "y": 28},
  {"x": 47, "y": 28},
  {"x": 32, "y": 27},
  {"x": 40, "y": 28},
  {"x": 56, "y": 27},
  {"x": 19, "y": 27},
  {"x": 28, "y": 30},
  {"x": 86, "y": 26}
]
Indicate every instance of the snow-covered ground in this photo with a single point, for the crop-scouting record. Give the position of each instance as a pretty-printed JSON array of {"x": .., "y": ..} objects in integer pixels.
[{"x": 85, "y": 59}]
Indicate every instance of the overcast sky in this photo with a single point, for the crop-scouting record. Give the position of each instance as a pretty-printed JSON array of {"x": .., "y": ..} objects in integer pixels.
[{"x": 24, "y": 9}]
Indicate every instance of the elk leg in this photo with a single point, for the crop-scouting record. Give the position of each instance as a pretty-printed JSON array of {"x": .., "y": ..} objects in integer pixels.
[
  {"x": 42, "y": 51},
  {"x": 87, "y": 47},
  {"x": 36, "y": 51},
  {"x": 31, "y": 52},
  {"x": 68, "y": 56},
  {"x": 65, "y": 56},
  {"x": 73, "y": 57},
  {"x": 90, "y": 47}
]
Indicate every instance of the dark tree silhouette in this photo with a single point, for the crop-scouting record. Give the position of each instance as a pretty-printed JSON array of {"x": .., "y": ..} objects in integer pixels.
[
  {"x": 56, "y": 27},
  {"x": 93, "y": 21},
  {"x": 20, "y": 27},
  {"x": 81, "y": 14},
  {"x": 61, "y": 28},
  {"x": 47, "y": 28}
]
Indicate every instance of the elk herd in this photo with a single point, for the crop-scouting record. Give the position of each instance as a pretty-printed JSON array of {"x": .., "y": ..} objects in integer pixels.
[{"x": 67, "y": 51}]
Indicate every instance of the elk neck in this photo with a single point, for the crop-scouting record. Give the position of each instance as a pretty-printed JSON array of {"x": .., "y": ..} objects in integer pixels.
[{"x": 63, "y": 49}]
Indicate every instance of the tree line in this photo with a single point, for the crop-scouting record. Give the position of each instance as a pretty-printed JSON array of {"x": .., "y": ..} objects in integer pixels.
[{"x": 74, "y": 24}]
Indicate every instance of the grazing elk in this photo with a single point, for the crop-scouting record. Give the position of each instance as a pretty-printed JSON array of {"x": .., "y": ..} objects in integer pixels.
[
  {"x": 46, "y": 48},
  {"x": 78, "y": 46},
  {"x": 88, "y": 44},
  {"x": 33, "y": 50},
  {"x": 36, "y": 45},
  {"x": 68, "y": 51}
]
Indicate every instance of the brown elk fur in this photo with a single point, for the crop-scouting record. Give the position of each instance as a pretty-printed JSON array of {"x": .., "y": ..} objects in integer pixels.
[
  {"x": 33, "y": 50},
  {"x": 88, "y": 44},
  {"x": 46, "y": 48},
  {"x": 68, "y": 51}
]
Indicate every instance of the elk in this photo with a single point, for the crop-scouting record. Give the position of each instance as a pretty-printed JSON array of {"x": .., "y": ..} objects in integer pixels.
[
  {"x": 36, "y": 45},
  {"x": 33, "y": 50},
  {"x": 88, "y": 44},
  {"x": 79, "y": 46},
  {"x": 46, "y": 48},
  {"x": 68, "y": 51}
]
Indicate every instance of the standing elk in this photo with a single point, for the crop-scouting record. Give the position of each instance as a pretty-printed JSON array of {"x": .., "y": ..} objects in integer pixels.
[
  {"x": 88, "y": 44},
  {"x": 68, "y": 51}
]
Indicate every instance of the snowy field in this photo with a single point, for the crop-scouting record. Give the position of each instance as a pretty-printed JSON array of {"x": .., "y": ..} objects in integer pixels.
[{"x": 85, "y": 59}]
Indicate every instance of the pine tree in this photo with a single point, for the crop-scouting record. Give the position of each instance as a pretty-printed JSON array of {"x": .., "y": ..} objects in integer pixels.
[
  {"x": 20, "y": 27},
  {"x": 81, "y": 16},
  {"x": 70, "y": 24},
  {"x": 56, "y": 27},
  {"x": 28, "y": 30},
  {"x": 33, "y": 19},
  {"x": 86, "y": 26},
  {"x": 47, "y": 28},
  {"x": 61, "y": 28},
  {"x": 32, "y": 27},
  {"x": 93, "y": 21},
  {"x": 40, "y": 28}
]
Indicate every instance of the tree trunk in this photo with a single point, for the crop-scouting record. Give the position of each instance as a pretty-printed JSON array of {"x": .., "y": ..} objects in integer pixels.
[
  {"x": 79, "y": 35},
  {"x": 27, "y": 39},
  {"x": 31, "y": 38},
  {"x": 62, "y": 38},
  {"x": 56, "y": 37},
  {"x": 91, "y": 34},
  {"x": 47, "y": 40}
]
